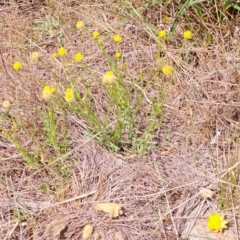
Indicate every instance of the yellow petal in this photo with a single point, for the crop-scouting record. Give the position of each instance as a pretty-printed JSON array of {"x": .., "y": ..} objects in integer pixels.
[
  {"x": 87, "y": 231},
  {"x": 113, "y": 209}
]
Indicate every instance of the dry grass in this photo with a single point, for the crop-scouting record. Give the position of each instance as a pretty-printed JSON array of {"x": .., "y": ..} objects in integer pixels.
[{"x": 198, "y": 142}]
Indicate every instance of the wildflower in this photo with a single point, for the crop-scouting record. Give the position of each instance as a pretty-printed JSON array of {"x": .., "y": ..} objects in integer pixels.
[
  {"x": 17, "y": 66},
  {"x": 109, "y": 78},
  {"x": 167, "y": 70},
  {"x": 6, "y": 104},
  {"x": 118, "y": 54},
  {"x": 159, "y": 105},
  {"x": 216, "y": 222},
  {"x": 54, "y": 55},
  {"x": 62, "y": 51},
  {"x": 117, "y": 38},
  {"x": 162, "y": 34},
  {"x": 69, "y": 95},
  {"x": 48, "y": 92},
  {"x": 78, "y": 57},
  {"x": 89, "y": 81},
  {"x": 35, "y": 56},
  {"x": 79, "y": 79},
  {"x": 79, "y": 24},
  {"x": 166, "y": 19},
  {"x": 187, "y": 34},
  {"x": 95, "y": 34},
  {"x": 100, "y": 40}
]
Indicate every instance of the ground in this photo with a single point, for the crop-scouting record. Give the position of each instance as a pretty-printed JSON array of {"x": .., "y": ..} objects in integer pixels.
[{"x": 178, "y": 164}]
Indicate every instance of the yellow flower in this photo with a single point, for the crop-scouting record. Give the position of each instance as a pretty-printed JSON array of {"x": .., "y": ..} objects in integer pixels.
[
  {"x": 48, "y": 92},
  {"x": 78, "y": 57},
  {"x": 109, "y": 78},
  {"x": 6, "y": 104},
  {"x": 118, "y": 54},
  {"x": 187, "y": 34},
  {"x": 62, "y": 51},
  {"x": 79, "y": 24},
  {"x": 79, "y": 79},
  {"x": 159, "y": 105},
  {"x": 166, "y": 19},
  {"x": 35, "y": 56},
  {"x": 95, "y": 34},
  {"x": 167, "y": 70},
  {"x": 17, "y": 66},
  {"x": 117, "y": 38},
  {"x": 162, "y": 34},
  {"x": 54, "y": 55},
  {"x": 216, "y": 222},
  {"x": 89, "y": 81},
  {"x": 69, "y": 95},
  {"x": 100, "y": 40}
]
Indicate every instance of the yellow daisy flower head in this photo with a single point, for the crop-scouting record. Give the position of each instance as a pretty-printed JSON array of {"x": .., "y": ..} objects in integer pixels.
[
  {"x": 216, "y": 222},
  {"x": 89, "y": 81},
  {"x": 17, "y": 66},
  {"x": 80, "y": 79},
  {"x": 54, "y": 55},
  {"x": 62, "y": 51},
  {"x": 118, "y": 54},
  {"x": 95, "y": 34},
  {"x": 69, "y": 95},
  {"x": 35, "y": 56},
  {"x": 159, "y": 105},
  {"x": 167, "y": 70},
  {"x": 108, "y": 78},
  {"x": 79, "y": 24},
  {"x": 162, "y": 34},
  {"x": 6, "y": 104},
  {"x": 117, "y": 38},
  {"x": 166, "y": 19},
  {"x": 48, "y": 92},
  {"x": 78, "y": 57},
  {"x": 187, "y": 34},
  {"x": 100, "y": 40}
]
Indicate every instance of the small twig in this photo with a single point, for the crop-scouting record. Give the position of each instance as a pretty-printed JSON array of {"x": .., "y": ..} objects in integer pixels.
[
  {"x": 234, "y": 104},
  {"x": 70, "y": 200},
  {"x": 12, "y": 230}
]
